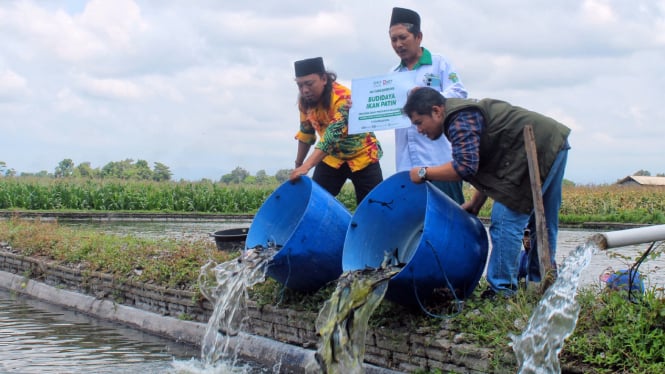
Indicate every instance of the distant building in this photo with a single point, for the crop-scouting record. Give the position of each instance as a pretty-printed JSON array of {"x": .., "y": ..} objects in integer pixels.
[{"x": 638, "y": 180}]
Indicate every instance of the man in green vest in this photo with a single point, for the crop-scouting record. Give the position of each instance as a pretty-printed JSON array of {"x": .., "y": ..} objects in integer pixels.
[{"x": 489, "y": 152}]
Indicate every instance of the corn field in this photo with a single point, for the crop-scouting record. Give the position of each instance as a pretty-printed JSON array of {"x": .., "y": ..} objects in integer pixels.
[
  {"x": 638, "y": 204},
  {"x": 606, "y": 203},
  {"x": 119, "y": 195}
]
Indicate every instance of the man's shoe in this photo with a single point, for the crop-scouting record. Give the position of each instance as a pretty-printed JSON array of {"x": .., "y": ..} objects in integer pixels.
[{"x": 488, "y": 294}]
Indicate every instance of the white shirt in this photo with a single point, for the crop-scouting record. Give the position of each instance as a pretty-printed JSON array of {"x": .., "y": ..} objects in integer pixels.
[{"x": 411, "y": 148}]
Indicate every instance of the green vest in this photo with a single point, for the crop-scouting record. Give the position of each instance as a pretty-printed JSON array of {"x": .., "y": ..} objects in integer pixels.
[{"x": 503, "y": 170}]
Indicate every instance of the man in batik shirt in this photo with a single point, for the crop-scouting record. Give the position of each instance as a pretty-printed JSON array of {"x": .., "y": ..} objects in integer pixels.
[{"x": 338, "y": 155}]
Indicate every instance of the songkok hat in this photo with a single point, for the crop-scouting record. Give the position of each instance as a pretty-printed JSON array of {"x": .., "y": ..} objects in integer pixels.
[
  {"x": 309, "y": 66},
  {"x": 403, "y": 15}
]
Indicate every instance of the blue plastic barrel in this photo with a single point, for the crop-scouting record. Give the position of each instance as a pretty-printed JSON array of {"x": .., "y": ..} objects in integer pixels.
[
  {"x": 436, "y": 243},
  {"x": 307, "y": 224}
]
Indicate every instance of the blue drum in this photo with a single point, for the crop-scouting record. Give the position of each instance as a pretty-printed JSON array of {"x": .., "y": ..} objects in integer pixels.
[
  {"x": 307, "y": 225},
  {"x": 420, "y": 229}
]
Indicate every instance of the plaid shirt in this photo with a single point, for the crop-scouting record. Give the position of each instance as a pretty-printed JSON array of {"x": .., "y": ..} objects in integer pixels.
[{"x": 464, "y": 134}]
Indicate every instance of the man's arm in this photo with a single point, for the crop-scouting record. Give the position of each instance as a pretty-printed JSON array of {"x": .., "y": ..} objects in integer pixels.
[
  {"x": 303, "y": 149},
  {"x": 451, "y": 83},
  {"x": 477, "y": 201},
  {"x": 464, "y": 135},
  {"x": 316, "y": 157},
  {"x": 444, "y": 172}
]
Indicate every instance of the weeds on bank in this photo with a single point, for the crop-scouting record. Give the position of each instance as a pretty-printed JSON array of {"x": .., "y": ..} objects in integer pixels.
[
  {"x": 612, "y": 335},
  {"x": 174, "y": 264},
  {"x": 489, "y": 322},
  {"x": 272, "y": 292},
  {"x": 615, "y": 335}
]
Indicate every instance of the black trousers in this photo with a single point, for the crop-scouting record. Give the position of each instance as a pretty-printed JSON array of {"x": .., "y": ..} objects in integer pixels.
[{"x": 332, "y": 179}]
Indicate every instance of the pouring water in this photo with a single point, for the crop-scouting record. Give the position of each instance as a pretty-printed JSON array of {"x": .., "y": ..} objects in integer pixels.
[
  {"x": 555, "y": 317},
  {"x": 226, "y": 285}
]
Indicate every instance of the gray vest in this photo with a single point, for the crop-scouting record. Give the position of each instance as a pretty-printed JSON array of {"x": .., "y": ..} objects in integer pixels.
[{"x": 503, "y": 170}]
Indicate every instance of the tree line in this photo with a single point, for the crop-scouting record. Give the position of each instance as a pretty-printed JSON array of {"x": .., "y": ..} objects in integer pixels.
[
  {"x": 646, "y": 173},
  {"x": 129, "y": 169},
  {"x": 240, "y": 175}
]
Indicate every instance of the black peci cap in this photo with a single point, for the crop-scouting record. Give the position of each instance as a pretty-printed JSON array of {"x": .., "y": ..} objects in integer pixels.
[
  {"x": 309, "y": 66},
  {"x": 403, "y": 15}
]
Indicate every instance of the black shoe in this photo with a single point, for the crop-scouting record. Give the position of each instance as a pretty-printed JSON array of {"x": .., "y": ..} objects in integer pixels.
[{"x": 488, "y": 294}]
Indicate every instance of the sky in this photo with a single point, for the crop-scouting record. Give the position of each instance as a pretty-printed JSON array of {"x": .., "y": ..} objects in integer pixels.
[{"x": 207, "y": 86}]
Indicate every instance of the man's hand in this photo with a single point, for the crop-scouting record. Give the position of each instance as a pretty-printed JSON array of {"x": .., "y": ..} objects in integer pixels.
[
  {"x": 297, "y": 172},
  {"x": 474, "y": 205},
  {"x": 413, "y": 174},
  {"x": 348, "y": 104}
]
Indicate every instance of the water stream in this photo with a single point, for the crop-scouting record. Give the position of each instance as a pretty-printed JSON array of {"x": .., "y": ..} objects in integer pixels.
[
  {"x": 554, "y": 318},
  {"x": 226, "y": 285},
  {"x": 343, "y": 319}
]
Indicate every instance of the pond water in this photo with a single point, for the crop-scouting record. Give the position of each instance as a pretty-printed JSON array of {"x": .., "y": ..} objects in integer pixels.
[
  {"x": 617, "y": 258},
  {"x": 185, "y": 230},
  {"x": 37, "y": 337}
]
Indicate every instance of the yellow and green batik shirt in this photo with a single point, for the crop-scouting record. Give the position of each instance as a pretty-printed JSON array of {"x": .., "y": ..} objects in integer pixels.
[{"x": 332, "y": 127}]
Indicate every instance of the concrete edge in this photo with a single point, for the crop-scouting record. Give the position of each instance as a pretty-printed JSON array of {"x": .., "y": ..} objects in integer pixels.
[{"x": 256, "y": 348}]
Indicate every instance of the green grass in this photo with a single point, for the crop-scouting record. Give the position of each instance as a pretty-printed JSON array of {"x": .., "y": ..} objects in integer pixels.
[
  {"x": 615, "y": 335},
  {"x": 169, "y": 263}
]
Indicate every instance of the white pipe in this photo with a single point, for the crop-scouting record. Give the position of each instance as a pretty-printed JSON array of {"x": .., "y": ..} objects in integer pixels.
[{"x": 622, "y": 238}]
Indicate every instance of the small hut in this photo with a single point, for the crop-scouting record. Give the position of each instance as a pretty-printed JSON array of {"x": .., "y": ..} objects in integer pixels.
[{"x": 639, "y": 180}]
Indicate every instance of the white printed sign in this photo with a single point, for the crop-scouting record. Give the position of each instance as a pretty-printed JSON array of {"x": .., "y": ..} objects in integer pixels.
[{"x": 377, "y": 102}]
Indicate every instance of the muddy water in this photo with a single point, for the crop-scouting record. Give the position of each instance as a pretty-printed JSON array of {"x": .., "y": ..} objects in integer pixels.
[{"x": 37, "y": 337}]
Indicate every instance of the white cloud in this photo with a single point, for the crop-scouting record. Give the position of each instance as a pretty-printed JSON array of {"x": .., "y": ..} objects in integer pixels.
[
  {"x": 206, "y": 86},
  {"x": 49, "y": 33},
  {"x": 68, "y": 101},
  {"x": 598, "y": 11},
  {"x": 115, "y": 22},
  {"x": 110, "y": 88},
  {"x": 12, "y": 86}
]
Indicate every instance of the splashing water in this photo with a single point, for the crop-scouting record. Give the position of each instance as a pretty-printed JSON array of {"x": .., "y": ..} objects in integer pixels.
[
  {"x": 342, "y": 321},
  {"x": 194, "y": 366},
  {"x": 225, "y": 285},
  {"x": 554, "y": 318}
]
